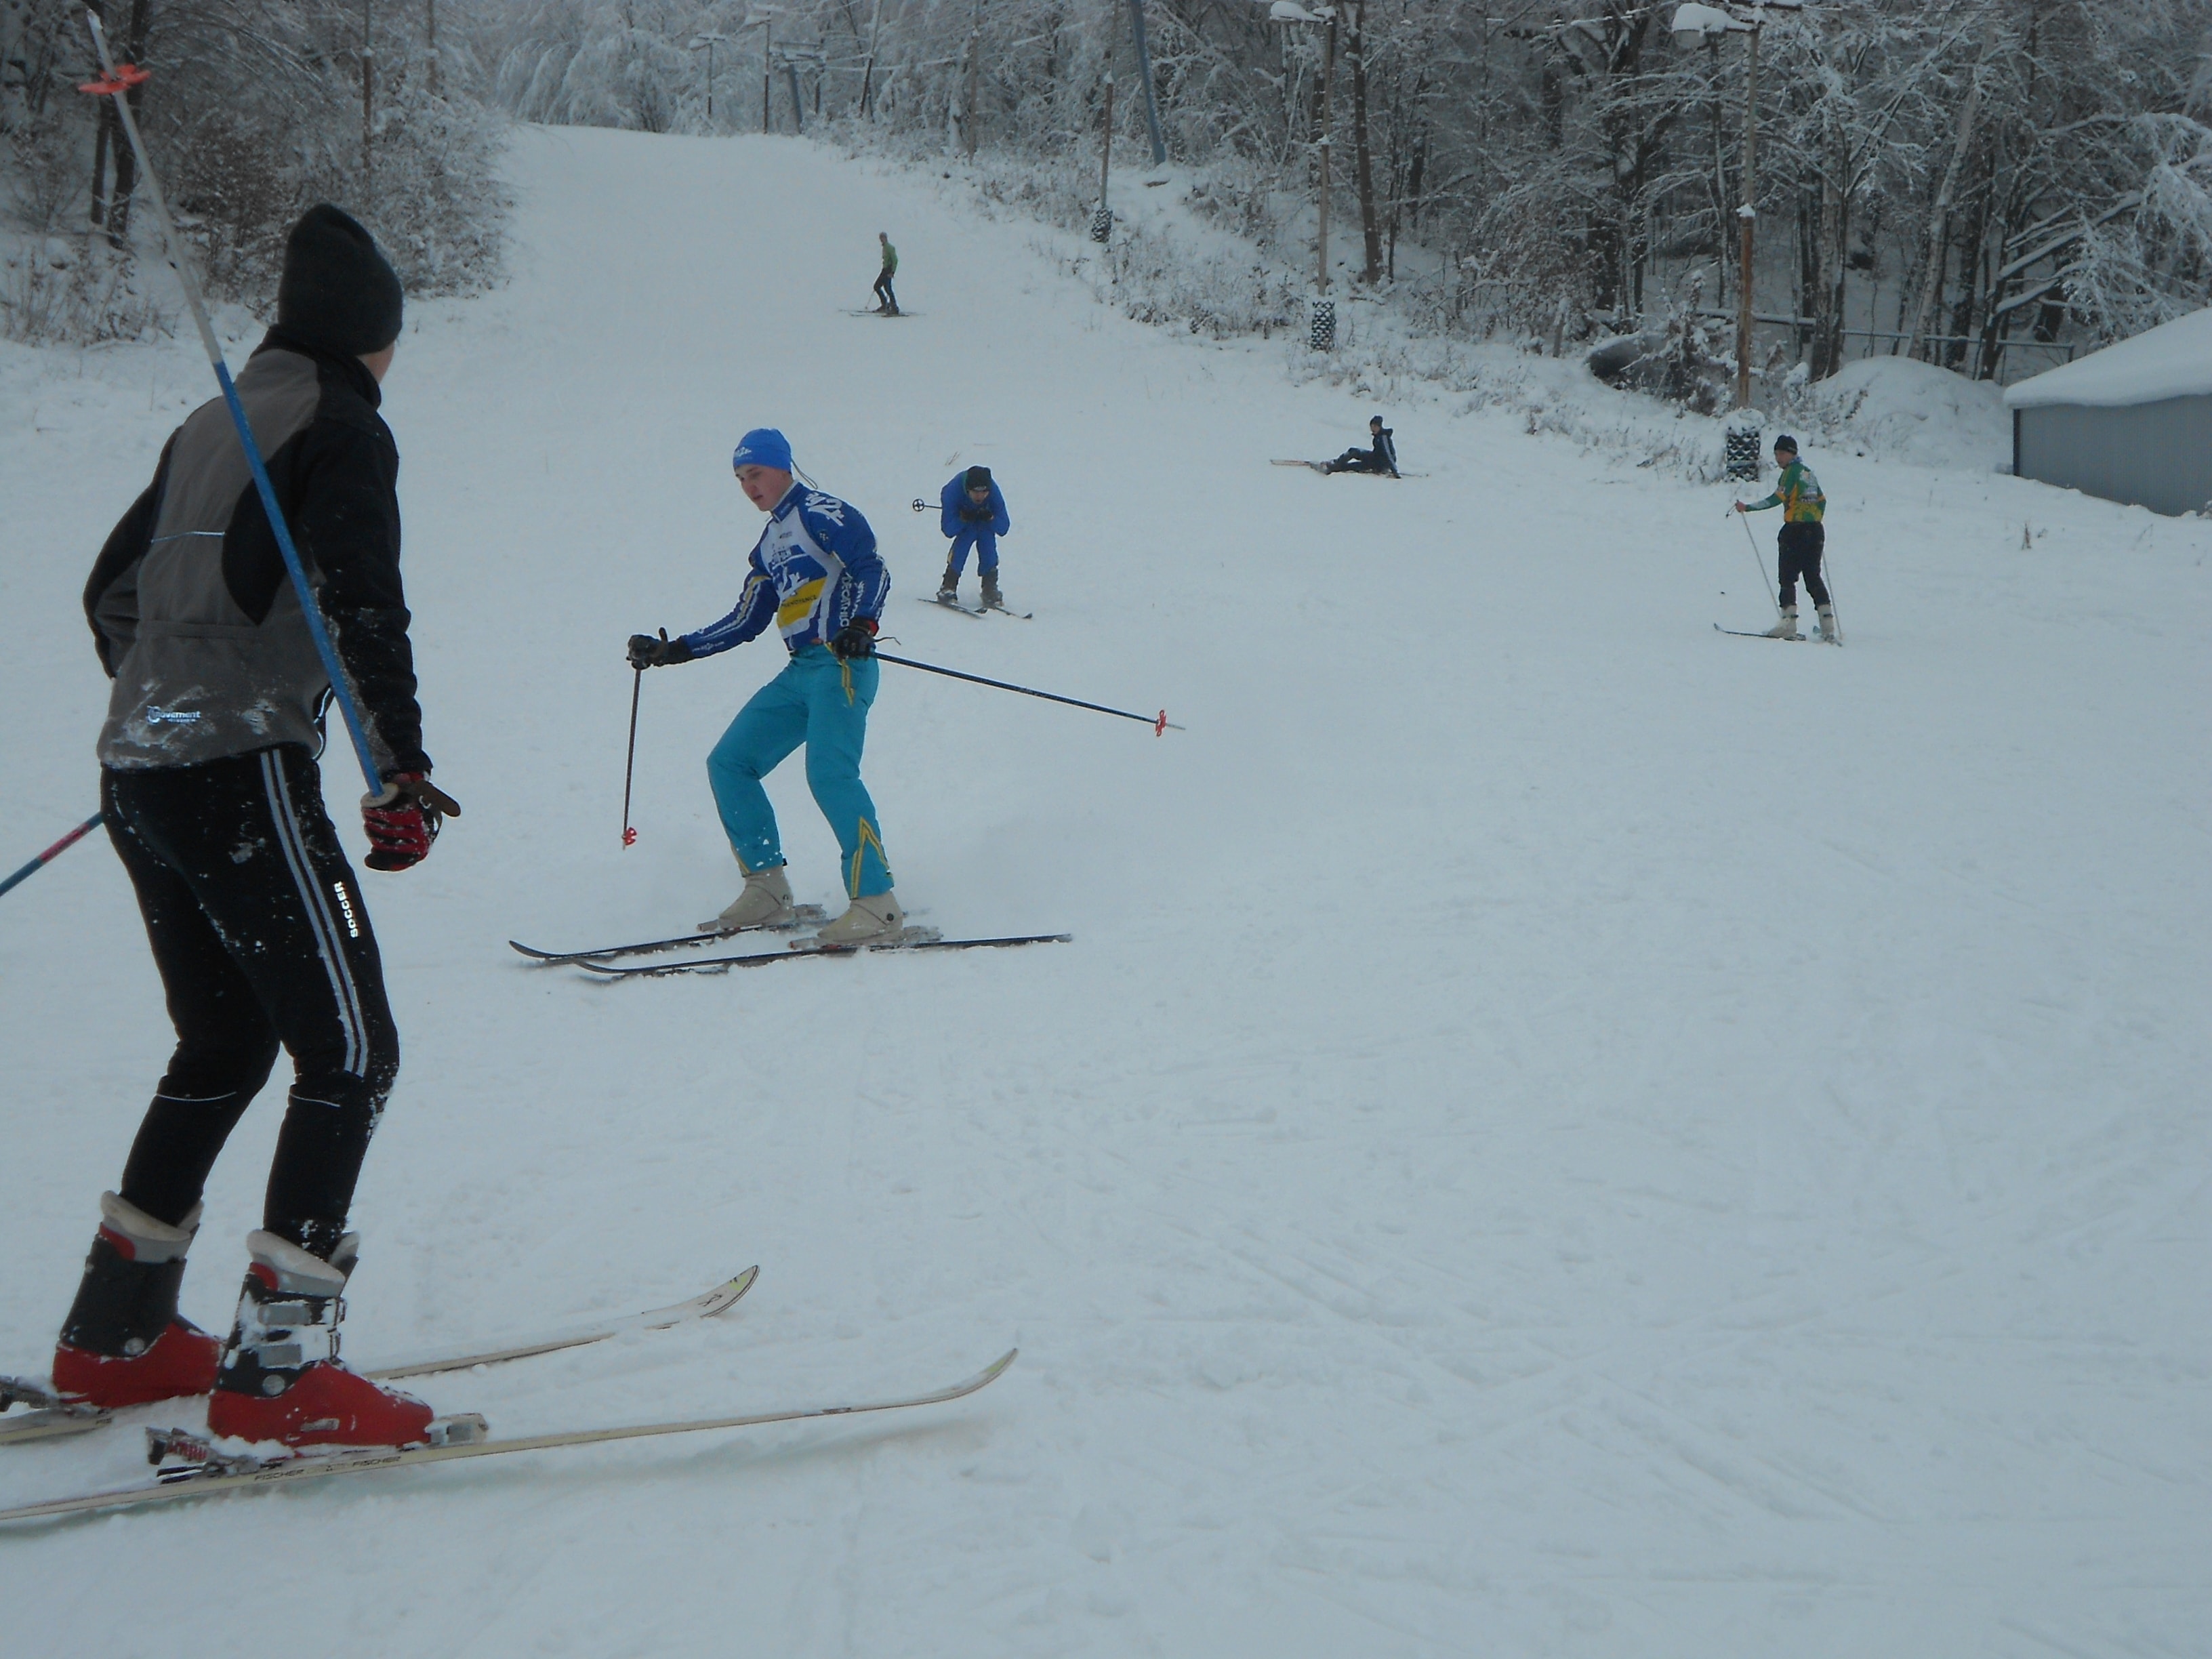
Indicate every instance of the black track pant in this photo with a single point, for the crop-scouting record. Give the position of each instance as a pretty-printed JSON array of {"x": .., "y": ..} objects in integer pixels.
[
  {"x": 261, "y": 937},
  {"x": 1800, "y": 548},
  {"x": 883, "y": 291}
]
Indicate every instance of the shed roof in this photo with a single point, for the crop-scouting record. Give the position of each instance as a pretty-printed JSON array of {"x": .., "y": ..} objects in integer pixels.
[{"x": 2173, "y": 360}]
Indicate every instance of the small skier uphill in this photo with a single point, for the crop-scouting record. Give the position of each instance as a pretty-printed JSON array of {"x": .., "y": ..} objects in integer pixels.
[
  {"x": 1799, "y": 544},
  {"x": 886, "y": 301}
]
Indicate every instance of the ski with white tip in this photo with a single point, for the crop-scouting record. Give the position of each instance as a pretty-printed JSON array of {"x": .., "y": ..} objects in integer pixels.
[
  {"x": 811, "y": 948},
  {"x": 802, "y": 916},
  {"x": 189, "y": 1466},
  {"x": 58, "y": 1416}
]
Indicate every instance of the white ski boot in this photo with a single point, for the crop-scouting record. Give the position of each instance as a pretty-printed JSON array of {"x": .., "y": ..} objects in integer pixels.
[
  {"x": 873, "y": 919},
  {"x": 765, "y": 902},
  {"x": 1787, "y": 627},
  {"x": 1829, "y": 631}
]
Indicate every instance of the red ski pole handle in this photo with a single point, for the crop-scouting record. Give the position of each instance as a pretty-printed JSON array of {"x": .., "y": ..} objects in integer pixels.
[{"x": 126, "y": 75}]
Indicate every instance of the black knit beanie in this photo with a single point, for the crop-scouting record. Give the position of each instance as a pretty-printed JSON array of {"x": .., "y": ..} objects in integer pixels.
[
  {"x": 979, "y": 477},
  {"x": 337, "y": 289}
]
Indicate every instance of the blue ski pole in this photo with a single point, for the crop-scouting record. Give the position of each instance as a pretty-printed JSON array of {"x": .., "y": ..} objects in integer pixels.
[
  {"x": 115, "y": 82},
  {"x": 53, "y": 852}
]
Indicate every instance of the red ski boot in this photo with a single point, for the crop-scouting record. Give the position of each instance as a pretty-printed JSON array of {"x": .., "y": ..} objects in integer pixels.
[
  {"x": 122, "y": 1344},
  {"x": 280, "y": 1379}
]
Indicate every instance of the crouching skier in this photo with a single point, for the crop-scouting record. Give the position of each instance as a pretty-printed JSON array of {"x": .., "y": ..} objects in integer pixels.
[
  {"x": 972, "y": 511},
  {"x": 814, "y": 572},
  {"x": 214, "y": 801}
]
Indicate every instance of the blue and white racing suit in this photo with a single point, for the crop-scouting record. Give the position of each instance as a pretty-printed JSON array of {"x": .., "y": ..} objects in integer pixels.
[{"x": 814, "y": 569}]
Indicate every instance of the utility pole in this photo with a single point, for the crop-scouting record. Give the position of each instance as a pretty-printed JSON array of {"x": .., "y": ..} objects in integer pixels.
[
  {"x": 768, "y": 68},
  {"x": 1145, "y": 69},
  {"x": 430, "y": 18},
  {"x": 368, "y": 110},
  {"x": 972, "y": 96},
  {"x": 709, "y": 42},
  {"x": 1321, "y": 325},
  {"x": 1328, "y": 83},
  {"x": 868, "y": 75},
  {"x": 1748, "y": 214},
  {"x": 1102, "y": 222},
  {"x": 1698, "y": 24}
]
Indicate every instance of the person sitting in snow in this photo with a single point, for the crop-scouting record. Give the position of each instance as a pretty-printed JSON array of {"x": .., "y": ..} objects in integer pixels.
[
  {"x": 1381, "y": 457},
  {"x": 1798, "y": 545},
  {"x": 972, "y": 512}
]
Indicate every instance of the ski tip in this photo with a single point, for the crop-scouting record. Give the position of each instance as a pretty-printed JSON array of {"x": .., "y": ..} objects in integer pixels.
[{"x": 992, "y": 1372}]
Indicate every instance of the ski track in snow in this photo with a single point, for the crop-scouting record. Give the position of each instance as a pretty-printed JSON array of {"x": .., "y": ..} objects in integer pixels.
[{"x": 1559, "y": 1133}]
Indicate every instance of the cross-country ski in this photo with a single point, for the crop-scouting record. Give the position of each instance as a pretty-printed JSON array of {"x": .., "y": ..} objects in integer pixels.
[
  {"x": 766, "y": 958},
  {"x": 210, "y": 1471},
  {"x": 58, "y": 1415},
  {"x": 801, "y": 916}
]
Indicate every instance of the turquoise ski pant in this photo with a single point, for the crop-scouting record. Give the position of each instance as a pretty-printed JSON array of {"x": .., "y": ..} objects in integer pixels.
[{"x": 823, "y": 703}]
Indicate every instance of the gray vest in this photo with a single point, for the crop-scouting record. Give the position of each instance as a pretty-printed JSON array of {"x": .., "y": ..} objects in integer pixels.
[{"x": 196, "y": 679}]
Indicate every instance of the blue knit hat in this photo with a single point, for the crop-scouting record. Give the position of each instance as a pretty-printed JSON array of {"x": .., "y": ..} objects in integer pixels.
[{"x": 763, "y": 447}]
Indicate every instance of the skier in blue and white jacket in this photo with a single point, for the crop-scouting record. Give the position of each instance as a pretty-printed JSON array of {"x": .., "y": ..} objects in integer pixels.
[{"x": 815, "y": 573}]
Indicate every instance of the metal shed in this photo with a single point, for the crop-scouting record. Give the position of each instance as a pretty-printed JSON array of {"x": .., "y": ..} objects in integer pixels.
[{"x": 2132, "y": 423}]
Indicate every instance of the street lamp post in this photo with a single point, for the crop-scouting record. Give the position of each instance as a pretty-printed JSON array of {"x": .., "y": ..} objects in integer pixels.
[
  {"x": 1693, "y": 25},
  {"x": 763, "y": 18},
  {"x": 1321, "y": 331},
  {"x": 709, "y": 42},
  {"x": 1102, "y": 222}
]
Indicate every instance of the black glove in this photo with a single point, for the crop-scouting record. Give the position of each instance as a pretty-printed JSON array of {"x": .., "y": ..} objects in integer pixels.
[
  {"x": 856, "y": 638},
  {"x": 646, "y": 652}
]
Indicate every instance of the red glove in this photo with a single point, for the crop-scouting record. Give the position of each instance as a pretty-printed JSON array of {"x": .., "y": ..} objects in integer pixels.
[{"x": 403, "y": 820}]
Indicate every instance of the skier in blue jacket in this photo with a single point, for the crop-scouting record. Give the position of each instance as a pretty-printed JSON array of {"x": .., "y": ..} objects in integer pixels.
[
  {"x": 972, "y": 512},
  {"x": 815, "y": 573}
]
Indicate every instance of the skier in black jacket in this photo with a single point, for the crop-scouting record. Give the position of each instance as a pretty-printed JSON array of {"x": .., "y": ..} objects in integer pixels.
[
  {"x": 214, "y": 801},
  {"x": 1381, "y": 457}
]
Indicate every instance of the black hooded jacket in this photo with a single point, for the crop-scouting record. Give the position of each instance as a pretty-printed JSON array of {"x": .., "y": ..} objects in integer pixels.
[{"x": 193, "y": 612}]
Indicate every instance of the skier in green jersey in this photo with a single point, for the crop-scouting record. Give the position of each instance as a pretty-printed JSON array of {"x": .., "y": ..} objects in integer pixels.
[
  {"x": 889, "y": 305},
  {"x": 1798, "y": 546}
]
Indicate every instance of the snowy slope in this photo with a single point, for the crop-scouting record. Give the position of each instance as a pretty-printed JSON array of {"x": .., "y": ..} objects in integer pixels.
[{"x": 1559, "y": 1133}]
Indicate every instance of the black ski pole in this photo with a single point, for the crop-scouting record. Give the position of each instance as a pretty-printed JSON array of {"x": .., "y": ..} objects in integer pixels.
[
  {"x": 1773, "y": 598},
  {"x": 53, "y": 852},
  {"x": 630, "y": 766},
  {"x": 1160, "y": 723}
]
